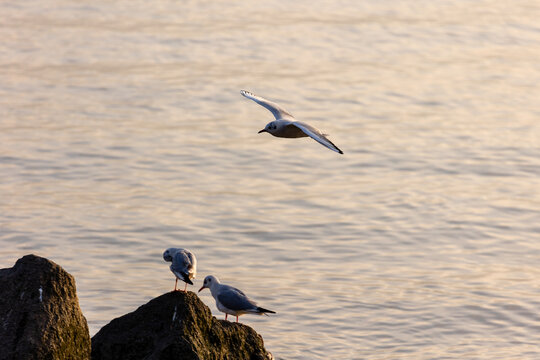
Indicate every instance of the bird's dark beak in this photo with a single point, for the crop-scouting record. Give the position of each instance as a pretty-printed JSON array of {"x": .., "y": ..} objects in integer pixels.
[
  {"x": 202, "y": 287},
  {"x": 263, "y": 130}
]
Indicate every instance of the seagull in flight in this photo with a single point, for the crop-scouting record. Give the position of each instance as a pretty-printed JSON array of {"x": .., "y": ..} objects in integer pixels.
[{"x": 286, "y": 125}]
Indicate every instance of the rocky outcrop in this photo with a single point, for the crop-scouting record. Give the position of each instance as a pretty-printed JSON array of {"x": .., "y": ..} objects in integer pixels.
[
  {"x": 176, "y": 326},
  {"x": 40, "y": 317}
]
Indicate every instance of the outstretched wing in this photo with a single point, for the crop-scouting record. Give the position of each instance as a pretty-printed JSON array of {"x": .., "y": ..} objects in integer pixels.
[
  {"x": 234, "y": 299},
  {"x": 316, "y": 135},
  {"x": 275, "y": 109}
]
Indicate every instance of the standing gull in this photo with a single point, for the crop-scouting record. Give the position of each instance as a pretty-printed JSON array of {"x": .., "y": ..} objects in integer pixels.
[
  {"x": 184, "y": 265},
  {"x": 286, "y": 126},
  {"x": 230, "y": 300}
]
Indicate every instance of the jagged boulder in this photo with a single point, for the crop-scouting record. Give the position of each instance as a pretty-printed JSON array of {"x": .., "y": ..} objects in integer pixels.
[
  {"x": 176, "y": 326},
  {"x": 40, "y": 317}
]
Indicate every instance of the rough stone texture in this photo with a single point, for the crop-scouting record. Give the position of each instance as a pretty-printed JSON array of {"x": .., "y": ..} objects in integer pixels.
[
  {"x": 46, "y": 325},
  {"x": 176, "y": 325}
]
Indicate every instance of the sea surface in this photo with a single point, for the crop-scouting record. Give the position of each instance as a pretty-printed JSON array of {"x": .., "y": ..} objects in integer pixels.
[{"x": 123, "y": 133}]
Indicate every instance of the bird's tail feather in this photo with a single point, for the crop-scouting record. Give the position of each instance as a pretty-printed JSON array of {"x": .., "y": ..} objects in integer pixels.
[
  {"x": 187, "y": 279},
  {"x": 264, "y": 311}
]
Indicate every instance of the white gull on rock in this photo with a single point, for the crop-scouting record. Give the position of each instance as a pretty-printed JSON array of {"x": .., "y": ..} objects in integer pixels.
[
  {"x": 230, "y": 300},
  {"x": 184, "y": 265}
]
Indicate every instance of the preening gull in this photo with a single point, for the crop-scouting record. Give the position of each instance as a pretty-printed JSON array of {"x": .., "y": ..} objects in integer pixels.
[
  {"x": 230, "y": 300},
  {"x": 286, "y": 125},
  {"x": 184, "y": 265}
]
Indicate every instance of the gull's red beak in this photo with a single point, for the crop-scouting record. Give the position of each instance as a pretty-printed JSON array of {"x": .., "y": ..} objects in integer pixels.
[
  {"x": 263, "y": 130},
  {"x": 202, "y": 287}
]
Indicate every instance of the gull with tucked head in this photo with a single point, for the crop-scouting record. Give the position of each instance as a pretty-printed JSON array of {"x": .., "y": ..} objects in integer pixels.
[
  {"x": 230, "y": 300},
  {"x": 184, "y": 265},
  {"x": 286, "y": 125}
]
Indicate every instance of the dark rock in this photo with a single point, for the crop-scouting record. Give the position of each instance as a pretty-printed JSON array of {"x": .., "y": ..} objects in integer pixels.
[
  {"x": 40, "y": 324},
  {"x": 176, "y": 326}
]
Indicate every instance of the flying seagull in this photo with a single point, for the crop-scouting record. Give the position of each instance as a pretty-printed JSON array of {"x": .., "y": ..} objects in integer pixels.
[
  {"x": 286, "y": 125},
  {"x": 184, "y": 265},
  {"x": 230, "y": 300}
]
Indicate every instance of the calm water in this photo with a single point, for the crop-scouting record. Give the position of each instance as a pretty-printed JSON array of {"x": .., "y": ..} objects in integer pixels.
[{"x": 122, "y": 133}]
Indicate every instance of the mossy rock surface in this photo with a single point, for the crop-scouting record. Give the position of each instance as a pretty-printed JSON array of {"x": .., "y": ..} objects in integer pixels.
[
  {"x": 40, "y": 313},
  {"x": 176, "y": 325}
]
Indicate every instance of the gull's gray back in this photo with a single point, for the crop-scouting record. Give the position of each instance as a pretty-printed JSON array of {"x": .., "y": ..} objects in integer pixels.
[
  {"x": 183, "y": 261},
  {"x": 234, "y": 299}
]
